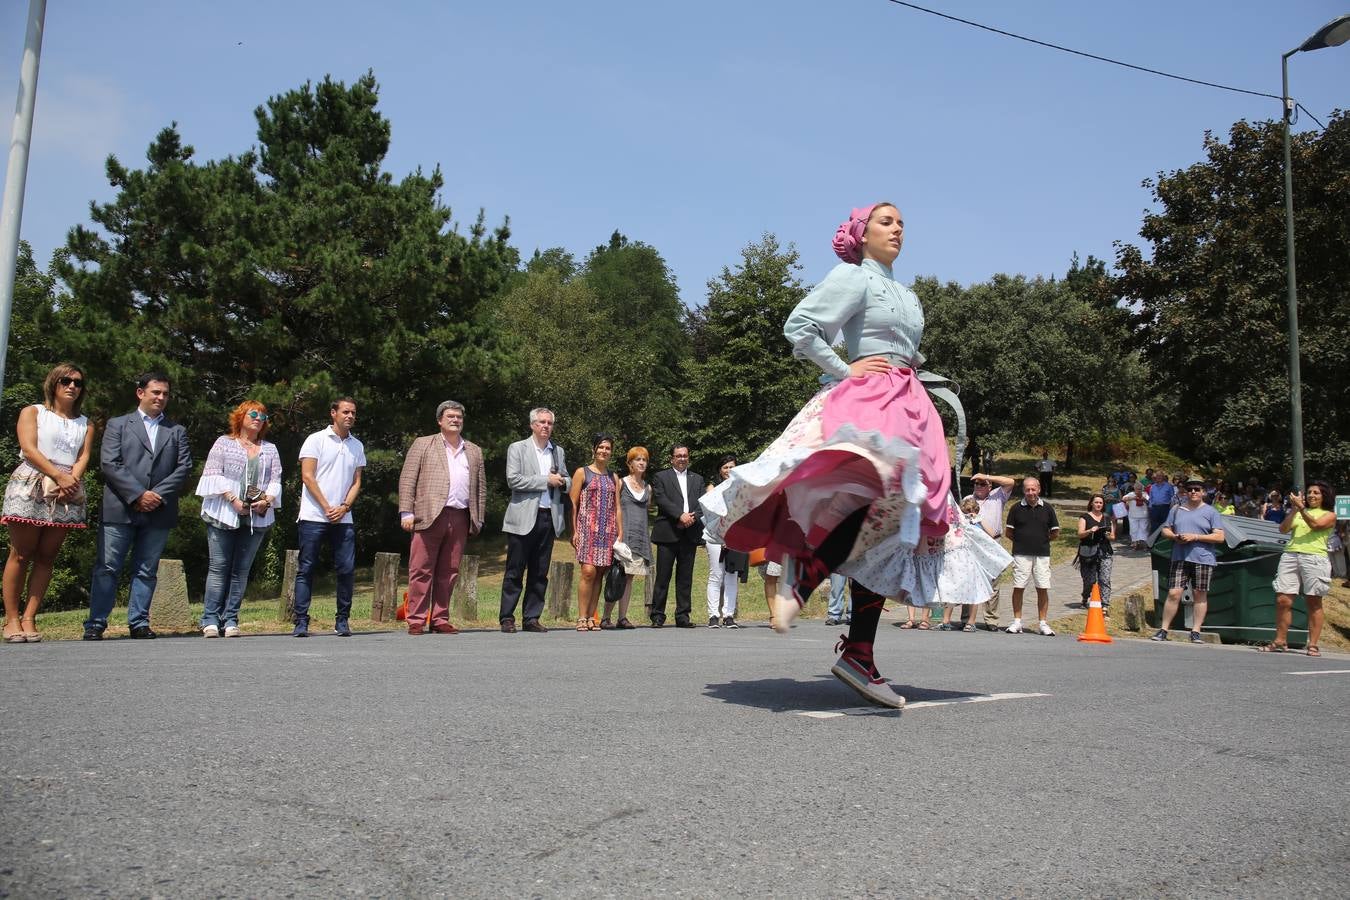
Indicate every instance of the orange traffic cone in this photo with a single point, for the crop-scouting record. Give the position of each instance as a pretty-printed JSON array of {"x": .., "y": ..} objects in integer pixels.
[{"x": 1095, "y": 632}]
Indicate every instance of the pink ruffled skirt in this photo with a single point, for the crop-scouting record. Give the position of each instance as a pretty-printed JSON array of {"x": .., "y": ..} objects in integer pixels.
[{"x": 872, "y": 442}]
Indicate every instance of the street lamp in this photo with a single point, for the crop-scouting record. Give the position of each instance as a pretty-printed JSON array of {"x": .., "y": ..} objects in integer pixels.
[{"x": 1332, "y": 34}]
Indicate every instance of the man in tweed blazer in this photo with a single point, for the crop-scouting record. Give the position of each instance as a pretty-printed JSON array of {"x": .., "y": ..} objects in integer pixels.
[{"x": 441, "y": 495}]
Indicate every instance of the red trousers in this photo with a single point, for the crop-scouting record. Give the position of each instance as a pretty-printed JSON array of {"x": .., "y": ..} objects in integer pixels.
[{"x": 433, "y": 566}]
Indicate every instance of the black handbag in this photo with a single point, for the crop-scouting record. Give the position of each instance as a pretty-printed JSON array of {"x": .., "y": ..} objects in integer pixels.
[
  {"x": 615, "y": 581},
  {"x": 1088, "y": 551}
]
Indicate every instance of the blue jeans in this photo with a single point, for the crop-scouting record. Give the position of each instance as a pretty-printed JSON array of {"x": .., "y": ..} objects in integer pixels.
[
  {"x": 115, "y": 540},
  {"x": 232, "y": 551},
  {"x": 342, "y": 539},
  {"x": 836, "y": 608}
]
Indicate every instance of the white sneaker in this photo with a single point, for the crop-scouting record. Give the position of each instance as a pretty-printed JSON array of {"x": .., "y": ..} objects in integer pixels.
[
  {"x": 232, "y": 631},
  {"x": 784, "y": 611},
  {"x": 1015, "y": 627},
  {"x": 210, "y": 631},
  {"x": 1045, "y": 629}
]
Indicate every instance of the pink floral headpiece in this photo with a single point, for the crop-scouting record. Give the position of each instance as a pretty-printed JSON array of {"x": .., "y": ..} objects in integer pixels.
[{"x": 848, "y": 237}]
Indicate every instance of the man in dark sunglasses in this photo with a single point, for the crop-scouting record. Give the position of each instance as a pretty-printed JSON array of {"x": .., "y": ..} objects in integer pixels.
[{"x": 1194, "y": 527}]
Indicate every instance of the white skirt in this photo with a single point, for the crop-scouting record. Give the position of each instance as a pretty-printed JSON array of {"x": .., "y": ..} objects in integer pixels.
[{"x": 952, "y": 570}]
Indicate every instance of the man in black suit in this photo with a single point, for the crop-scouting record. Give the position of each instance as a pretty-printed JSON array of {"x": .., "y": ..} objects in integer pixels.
[
  {"x": 677, "y": 533},
  {"x": 145, "y": 461}
]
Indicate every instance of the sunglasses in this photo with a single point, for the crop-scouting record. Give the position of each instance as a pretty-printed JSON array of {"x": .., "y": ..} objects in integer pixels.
[
  {"x": 260, "y": 416},
  {"x": 67, "y": 381},
  {"x": 1195, "y": 489}
]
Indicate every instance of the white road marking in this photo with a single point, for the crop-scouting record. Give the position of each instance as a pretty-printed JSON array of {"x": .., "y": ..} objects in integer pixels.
[
  {"x": 922, "y": 704},
  {"x": 1322, "y": 672},
  {"x": 978, "y": 698}
]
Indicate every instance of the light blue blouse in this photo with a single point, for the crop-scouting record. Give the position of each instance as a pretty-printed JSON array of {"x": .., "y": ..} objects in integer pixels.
[{"x": 875, "y": 315}]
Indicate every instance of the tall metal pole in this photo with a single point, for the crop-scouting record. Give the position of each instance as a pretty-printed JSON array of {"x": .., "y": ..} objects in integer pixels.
[
  {"x": 1291, "y": 284},
  {"x": 16, "y": 176}
]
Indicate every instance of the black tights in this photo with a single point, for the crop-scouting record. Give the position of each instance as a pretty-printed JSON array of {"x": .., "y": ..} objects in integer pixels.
[{"x": 829, "y": 556}]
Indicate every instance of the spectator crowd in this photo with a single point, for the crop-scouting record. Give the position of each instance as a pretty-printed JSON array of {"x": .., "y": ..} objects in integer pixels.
[{"x": 146, "y": 463}]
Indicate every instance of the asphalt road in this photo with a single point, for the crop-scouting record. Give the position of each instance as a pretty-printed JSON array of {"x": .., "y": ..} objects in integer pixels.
[{"x": 669, "y": 763}]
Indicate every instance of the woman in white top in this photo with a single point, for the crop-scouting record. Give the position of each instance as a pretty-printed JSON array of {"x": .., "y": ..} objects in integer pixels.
[
  {"x": 44, "y": 498},
  {"x": 240, "y": 488}
]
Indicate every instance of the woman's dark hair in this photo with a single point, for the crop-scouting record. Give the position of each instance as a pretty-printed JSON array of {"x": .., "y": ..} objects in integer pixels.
[
  {"x": 1328, "y": 495},
  {"x": 729, "y": 458},
  {"x": 601, "y": 438},
  {"x": 1097, "y": 496}
]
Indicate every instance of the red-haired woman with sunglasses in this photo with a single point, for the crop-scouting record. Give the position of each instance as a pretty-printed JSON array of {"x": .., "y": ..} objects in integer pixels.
[
  {"x": 240, "y": 488},
  {"x": 44, "y": 498}
]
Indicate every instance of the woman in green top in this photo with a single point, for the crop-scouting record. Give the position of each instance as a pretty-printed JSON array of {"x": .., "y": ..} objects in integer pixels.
[{"x": 1304, "y": 567}]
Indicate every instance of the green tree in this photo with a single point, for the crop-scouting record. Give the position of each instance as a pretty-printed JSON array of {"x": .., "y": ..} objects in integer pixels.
[
  {"x": 616, "y": 345},
  {"x": 1039, "y": 361},
  {"x": 742, "y": 384},
  {"x": 550, "y": 309},
  {"x": 637, "y": 294},
  {"x": 1210, "y": 292},
  {"x": 292, "y": 274}
]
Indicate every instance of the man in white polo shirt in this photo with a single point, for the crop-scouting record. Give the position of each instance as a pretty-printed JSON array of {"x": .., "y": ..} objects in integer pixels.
[{"x": 330, "y": 469}]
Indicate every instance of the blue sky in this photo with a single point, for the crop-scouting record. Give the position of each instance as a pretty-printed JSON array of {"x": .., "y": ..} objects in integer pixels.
[{"x": 698, "y": 126}]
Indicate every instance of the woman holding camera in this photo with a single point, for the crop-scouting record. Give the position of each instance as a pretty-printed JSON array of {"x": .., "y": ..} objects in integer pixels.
[
  {"x": 44, "y": 498},
  {"x": 240, "y": 489},
  {"x": 1304, "y": 566}
]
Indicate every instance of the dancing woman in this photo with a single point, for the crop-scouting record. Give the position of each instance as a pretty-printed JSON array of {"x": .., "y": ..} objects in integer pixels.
[{"x": 859, "y": 482}]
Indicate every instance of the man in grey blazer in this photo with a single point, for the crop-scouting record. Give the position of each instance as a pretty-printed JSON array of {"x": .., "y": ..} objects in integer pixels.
[
  {"x": 145, "y": 461},
  {"x": 536, "y": 472}
]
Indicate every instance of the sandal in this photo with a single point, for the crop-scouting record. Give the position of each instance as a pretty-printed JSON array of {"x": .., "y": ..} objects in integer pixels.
[
  {"x": 1273, "y": 647},
  {"x": 14, "y": 637},
  {"x": 592, "y": 624},
  {"x": 1312, "y": 650},
  {"x": 968, "y": 629},
  {"x": 606, "y": 625},
  {"x": 30, "y": 635},
  {"x": 923, "y": 626},
  {"x": 904, "y": 624},
  {"x": 624, "y": 624},
  {"x": 583, "y": 624}
]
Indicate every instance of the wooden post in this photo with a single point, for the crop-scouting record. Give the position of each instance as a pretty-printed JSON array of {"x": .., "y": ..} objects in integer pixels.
[
  {"x": 648, "y": 581},
  {"x": 560, "y": 589},
  {"x": 286, "y": 608},
  {"x": 1134, "y": 611},
  {"x": 385, "y": 603},
  {"x": 464, "y": 600}
]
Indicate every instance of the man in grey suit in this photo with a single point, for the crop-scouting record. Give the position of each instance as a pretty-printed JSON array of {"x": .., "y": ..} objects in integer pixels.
[
  {"x": 536, "y": 472},
  {"x": 145, "y": 460}
]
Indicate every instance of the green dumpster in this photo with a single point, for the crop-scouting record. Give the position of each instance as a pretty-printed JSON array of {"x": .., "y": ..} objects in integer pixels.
[{"x": 1241, "y": 597}]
